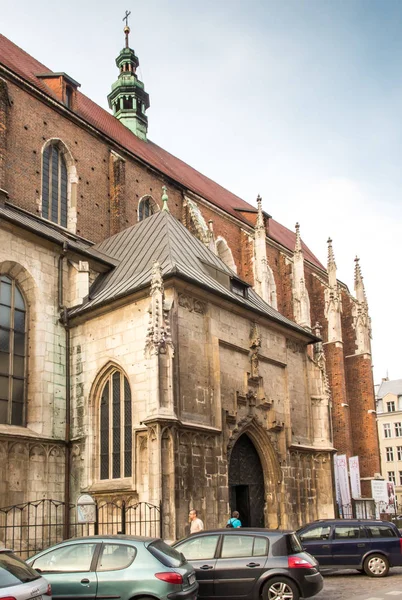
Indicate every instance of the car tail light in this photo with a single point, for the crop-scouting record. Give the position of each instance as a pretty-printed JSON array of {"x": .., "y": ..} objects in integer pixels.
[
  {"x": 7, "y": 598},
  {"x": 49, "y": 590},
  {"x": 297, "y": 562},
  {"x": 170, "y": 577}
]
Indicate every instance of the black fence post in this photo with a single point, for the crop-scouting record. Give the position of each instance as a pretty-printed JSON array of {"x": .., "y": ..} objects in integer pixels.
[
  {"x": 96, "y": 524},
  {"x": 123, "y": 517}
]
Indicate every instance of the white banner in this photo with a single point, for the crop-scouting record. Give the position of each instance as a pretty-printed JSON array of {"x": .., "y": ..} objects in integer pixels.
[
  {"x": 354, "y": 471},
  {"x": 379, "y": 491},
  {"x": 341, "y": 467}
]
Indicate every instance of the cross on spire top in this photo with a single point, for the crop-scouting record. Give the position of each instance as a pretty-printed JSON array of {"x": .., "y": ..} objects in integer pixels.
[{"x": 125, "y": 18}]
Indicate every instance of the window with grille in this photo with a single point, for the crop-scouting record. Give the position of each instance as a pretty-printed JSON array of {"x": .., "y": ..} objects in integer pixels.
[
  {"x": 391, "y": 476},
  {"x": 387, "y": 430},
  {"x": 390, "y": 454},
  {"x": 147, "y": 207},
  {"x": 399, "y": 452},
  {"x": 12, "y": 352},
  {"x": 54, "y": 185},
  {"x": 398, "y": 429},
  {"x": 391, "y": 406},
  {"x": 115, "y": 428}
]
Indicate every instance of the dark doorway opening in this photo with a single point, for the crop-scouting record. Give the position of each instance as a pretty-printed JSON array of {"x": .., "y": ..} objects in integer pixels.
[{"x": 246, "y": 483}]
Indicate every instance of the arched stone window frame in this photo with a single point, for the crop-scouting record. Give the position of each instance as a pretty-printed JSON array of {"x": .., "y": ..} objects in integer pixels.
[
  {"x": 72, "y": 182},
  {"x": 141, "y": 205},
  {"x": 112, "y": 470},
  {"x": 25, "y": 284},
  {"x": 225, "y": 254}
]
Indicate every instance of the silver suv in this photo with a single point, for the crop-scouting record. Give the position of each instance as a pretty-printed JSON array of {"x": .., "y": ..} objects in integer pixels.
[{"x": 19, "y": 581}]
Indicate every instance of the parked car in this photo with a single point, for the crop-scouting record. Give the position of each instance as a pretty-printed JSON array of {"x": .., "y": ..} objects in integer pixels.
[
  {"x": 251, "y": 563},
  {"x": 365, "y": 545},
  {"x": 18, "y": 581},
  {"x": 116, "y": 566}
]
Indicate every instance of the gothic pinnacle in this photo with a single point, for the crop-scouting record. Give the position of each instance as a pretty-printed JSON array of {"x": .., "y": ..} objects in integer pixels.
[
  {"x": 298, "y": 246},
  {"x": 359, "y": 285},
  {"x": 331, "y": 257},
  {"x": 259, "y": 224}
]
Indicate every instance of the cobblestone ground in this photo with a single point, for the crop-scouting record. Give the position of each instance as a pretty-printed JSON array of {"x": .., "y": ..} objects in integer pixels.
[{"x": 351, "y": 585}]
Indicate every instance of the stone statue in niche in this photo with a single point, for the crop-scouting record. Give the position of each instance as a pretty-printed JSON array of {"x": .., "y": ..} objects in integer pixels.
[{"x": 255, "y": 345}]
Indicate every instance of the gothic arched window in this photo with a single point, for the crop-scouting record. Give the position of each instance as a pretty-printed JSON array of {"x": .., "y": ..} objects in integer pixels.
[
  {"x": 54, "y": 184},
  {"x": 12, "y": 352},
  {"x": 147, "y": 207},
  {"x": 115, "y": 427}
]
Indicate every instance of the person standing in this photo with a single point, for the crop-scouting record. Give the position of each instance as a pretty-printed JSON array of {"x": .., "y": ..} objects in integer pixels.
[
  {"x": 195, "y": 523},
  {"x": 234, "y": 521}
]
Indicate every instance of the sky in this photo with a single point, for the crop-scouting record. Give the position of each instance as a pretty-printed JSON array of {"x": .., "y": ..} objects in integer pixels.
[{"x": 299, "y": 101}]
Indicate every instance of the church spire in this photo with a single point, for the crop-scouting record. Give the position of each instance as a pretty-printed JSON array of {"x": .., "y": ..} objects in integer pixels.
[{"x": 128, "y": 99}]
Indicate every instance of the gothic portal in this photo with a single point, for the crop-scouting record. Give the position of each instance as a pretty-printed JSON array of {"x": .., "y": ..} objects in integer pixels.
[{"x": 246, "y": 483}]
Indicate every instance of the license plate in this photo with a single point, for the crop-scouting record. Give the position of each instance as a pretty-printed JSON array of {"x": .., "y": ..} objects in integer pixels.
[
  {"x": 36, "y": 598},
  {"x": 191, "y": 579}
]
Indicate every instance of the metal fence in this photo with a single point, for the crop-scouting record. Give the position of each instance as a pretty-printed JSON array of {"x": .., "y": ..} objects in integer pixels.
[{"x": 30, "y": 527}]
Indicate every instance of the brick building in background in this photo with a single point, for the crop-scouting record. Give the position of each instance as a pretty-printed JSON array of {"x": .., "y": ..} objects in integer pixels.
[{"x": 240, "y": 368}]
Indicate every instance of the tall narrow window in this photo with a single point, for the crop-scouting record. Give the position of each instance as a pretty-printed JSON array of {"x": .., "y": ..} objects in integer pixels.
[
  {"x": 115, "y": 428},
  {"x": 146, "y": 208},
  {"x": 12, "y": 352},
  {"x": 54, "y": 185}
]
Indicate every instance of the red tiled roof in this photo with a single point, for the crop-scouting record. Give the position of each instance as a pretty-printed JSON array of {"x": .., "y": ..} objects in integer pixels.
[{"x": 24, "y": 65}]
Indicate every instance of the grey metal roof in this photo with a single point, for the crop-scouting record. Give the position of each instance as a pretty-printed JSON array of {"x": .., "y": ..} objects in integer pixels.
[
  {"x": 163, "y": 238},
  {"x": 390, "y": 387},
  {"x": 52, "y": 232}
]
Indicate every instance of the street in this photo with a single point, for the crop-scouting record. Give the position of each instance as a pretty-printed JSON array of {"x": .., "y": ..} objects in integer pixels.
[{"x": 344, "y": 585}]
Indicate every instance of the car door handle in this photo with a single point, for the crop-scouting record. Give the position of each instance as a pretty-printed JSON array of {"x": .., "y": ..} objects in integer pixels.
[
  {"x": 253, "y": 565},
  {"x": 325, "y": 546},
  {"x": 361, "y": 545},
  {"x": 85, "y": 581},
  {"x": 206, "y": 567}
]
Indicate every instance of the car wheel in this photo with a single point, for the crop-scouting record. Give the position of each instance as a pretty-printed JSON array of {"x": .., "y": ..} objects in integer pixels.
[
  {"x": 280, "y": 588},
  {"x": 376, "y": 565}
]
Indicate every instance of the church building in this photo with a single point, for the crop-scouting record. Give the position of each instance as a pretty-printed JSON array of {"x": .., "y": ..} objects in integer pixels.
[{"x": 162, "y": 341}]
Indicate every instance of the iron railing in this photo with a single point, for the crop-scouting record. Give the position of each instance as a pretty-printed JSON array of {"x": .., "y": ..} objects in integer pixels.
[{"x": 33, "y": 526}]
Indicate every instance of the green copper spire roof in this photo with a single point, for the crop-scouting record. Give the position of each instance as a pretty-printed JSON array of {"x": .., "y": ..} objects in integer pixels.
[{"x": 128, "y": 99}]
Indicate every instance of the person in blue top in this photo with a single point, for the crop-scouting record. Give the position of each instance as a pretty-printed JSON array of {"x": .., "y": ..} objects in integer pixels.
[{"x": 234, "y": 521}]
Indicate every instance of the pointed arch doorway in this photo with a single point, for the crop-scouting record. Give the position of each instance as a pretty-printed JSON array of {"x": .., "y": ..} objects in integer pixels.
[{"x": 246, "y": 483}]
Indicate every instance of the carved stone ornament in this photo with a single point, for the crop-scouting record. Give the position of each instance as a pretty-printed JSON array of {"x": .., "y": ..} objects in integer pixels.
[
  {"x": 159, "y": 337},
  {"x": 255, "y": 346},
  {"x": 192, "y": 304}
]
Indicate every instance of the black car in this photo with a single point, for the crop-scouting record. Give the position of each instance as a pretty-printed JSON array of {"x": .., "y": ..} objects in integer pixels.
[
  {"x": 250, "y": 564},
  {"x": 365, "y": 545}
]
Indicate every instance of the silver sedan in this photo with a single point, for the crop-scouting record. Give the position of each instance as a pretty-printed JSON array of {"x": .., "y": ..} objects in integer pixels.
[{"x": 19, "y": 581}]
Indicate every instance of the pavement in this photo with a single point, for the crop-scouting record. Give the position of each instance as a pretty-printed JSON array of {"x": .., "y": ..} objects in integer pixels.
[{"x": 347, "y": 585}]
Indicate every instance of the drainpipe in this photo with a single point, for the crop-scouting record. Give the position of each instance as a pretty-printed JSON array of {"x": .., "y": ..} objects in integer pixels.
[{"x": 64, "y": 321}]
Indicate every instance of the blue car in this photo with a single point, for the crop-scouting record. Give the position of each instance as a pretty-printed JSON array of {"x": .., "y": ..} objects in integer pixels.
[{"x": 369, "y": 546}]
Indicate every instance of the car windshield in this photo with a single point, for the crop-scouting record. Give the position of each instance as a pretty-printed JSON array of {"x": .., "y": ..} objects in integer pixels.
[
  {"x": 167, "y": 555},
  {"x": 13, "y": 570}
]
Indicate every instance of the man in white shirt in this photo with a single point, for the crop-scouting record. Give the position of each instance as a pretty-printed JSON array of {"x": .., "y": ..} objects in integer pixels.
[{"x": 195, "y": 523}]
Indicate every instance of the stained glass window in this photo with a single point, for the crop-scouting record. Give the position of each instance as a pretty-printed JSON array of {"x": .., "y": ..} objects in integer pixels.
[
  {"x": 12, "y": 352},
  {"x": 115, "y": 428},
  {"x": 54, "y": 185}
]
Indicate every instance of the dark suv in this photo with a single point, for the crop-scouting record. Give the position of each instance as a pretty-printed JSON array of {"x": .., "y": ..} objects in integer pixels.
[
  {"x": 369, "y": 546},
  {"x": 250, "y": 564}
]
